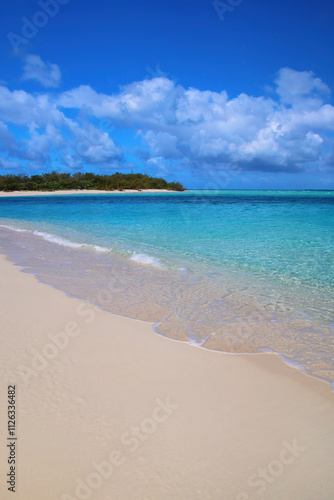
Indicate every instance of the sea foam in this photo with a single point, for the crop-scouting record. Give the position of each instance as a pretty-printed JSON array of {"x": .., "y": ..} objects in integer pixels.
[
  {"x": 142, "y": 258},
  {"x": 14, "y": 228},
  {"x": 67, "y": 243},
  {"x": 59, "y": 240},
  {"x": 52, "y": 238}
]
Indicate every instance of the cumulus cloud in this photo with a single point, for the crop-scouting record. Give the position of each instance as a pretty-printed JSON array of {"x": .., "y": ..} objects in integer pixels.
[
  {"x": 162, "y": 144},
  {"x": 48, "y": 133},
  {"x": 92, "y": 145},
  {"x": 7, "y": 139},
  {"x": 9, "y": 165},
  {"x": 258, "y": 133},
  {"x": 179, "y": 127},
  {"x": 46, "y": 73},
  {"x": 300, "y": 87}
]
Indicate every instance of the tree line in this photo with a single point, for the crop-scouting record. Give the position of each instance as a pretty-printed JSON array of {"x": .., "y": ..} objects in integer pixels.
[{"x": 55, "y": 181}]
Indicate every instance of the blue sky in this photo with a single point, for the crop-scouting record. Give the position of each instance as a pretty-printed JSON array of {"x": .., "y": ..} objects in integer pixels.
[{"x": 224, "y": 94}]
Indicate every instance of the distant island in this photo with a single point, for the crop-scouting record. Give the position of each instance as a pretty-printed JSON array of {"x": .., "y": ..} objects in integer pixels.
[{"x": 56, "y": 181}]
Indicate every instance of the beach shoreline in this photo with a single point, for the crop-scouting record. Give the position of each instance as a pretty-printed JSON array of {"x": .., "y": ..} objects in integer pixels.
[
  {"x": 144, "y": 240},
  {"x": 171, "y": 421},
  {"x": 82, "y": 191}
]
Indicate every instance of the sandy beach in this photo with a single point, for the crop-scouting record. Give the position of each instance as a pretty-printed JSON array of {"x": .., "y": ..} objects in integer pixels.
[
  {"x": 108, "y": 409},
  {"x": 80, "y": 191}
]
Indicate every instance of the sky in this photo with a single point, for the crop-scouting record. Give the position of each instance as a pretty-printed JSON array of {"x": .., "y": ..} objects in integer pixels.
[{"x": 231, "y": 94}]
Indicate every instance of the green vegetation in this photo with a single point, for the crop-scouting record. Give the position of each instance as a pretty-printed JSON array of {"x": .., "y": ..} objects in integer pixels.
[{"x": 56, "y": 181}]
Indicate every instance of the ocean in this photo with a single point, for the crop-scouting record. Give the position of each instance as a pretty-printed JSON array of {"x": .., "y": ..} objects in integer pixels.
[{"x": 234, "y": 271}]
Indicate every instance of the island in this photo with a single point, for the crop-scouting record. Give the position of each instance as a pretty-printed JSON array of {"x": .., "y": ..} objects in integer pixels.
[{"x": 88, "y": 181}]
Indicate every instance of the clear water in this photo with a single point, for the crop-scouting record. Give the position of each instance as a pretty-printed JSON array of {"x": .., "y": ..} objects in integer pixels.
[{"x": 241, "y": 271}]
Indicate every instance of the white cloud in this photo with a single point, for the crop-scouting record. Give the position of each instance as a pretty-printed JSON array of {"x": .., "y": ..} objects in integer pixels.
[
  {"x": 162, "y": 144},
  {"x": 92, "y": 145},
  {"x": 300, "y": 87},
  {"x": 46, "y": 73},
  {"x": 179, "y": 127},
  {"x": 47, "y": 130},
  {"x": 6, "y": 165},
  {"x": 7, "y": 139}
]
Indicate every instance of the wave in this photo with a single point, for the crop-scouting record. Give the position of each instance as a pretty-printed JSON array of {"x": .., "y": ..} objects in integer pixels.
[
  {"x": 59, "y": 240},
  {"x": 14, "y": 228},
  {"x": 143, "y": 258},
  {"x": 68, "y": 243},
  {"x": 140, "y": 258}
]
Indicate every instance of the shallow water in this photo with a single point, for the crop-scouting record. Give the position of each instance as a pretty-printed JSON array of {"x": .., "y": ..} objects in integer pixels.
[{"x": 232, "y": 271}]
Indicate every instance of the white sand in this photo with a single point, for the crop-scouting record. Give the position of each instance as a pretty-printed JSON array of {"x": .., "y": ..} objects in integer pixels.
[
  {"x": 233, "y": 417},
  {"x": 81, "y": 191}
]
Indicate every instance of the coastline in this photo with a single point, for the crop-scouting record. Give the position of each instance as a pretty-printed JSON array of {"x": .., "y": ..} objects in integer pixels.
[
  {"x": 82, "y": 191},
  {"x": 208, "y": 421},
  {"x": 81, "y": 243}
]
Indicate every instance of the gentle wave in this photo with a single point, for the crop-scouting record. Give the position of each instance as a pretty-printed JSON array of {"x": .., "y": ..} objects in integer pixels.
[
  {"x": 139, "y": 258},
  {"x": 68, "y": 243},
  {"x": 59, "y": 240},
  {"x": 143, "y": 258},
  {"x": 14, "y": 228}
]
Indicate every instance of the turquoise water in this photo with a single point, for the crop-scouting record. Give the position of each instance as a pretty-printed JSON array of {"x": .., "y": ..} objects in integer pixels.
[{"x": 230, "y": 270}]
